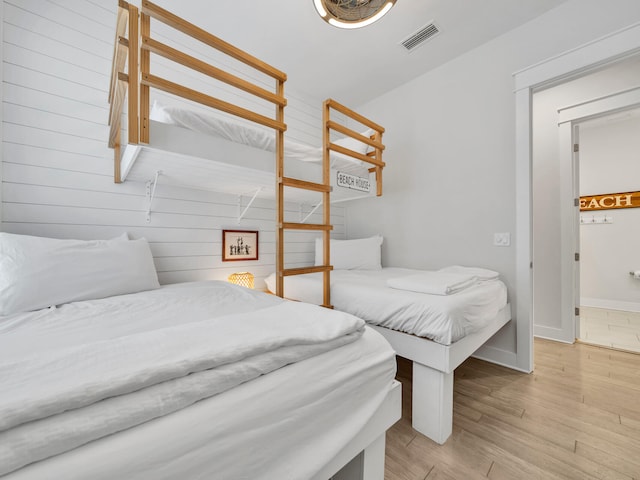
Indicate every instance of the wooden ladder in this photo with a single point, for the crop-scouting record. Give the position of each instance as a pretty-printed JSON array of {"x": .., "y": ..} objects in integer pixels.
[
  {"x": 325, "y": 227},
  {"x": 374, "y": 158}
]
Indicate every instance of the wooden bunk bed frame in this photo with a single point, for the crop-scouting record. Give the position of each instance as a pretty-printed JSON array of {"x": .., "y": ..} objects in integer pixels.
[
  {"x": 374, "y": 158},
  {"x": 133, "y": 47},
  {"x": 132, "y": 79}
]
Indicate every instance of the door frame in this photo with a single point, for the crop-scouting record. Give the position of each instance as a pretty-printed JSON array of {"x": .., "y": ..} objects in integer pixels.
[
  {"x": 615, "y": 46},
  {"x": 569, "y": 119}
]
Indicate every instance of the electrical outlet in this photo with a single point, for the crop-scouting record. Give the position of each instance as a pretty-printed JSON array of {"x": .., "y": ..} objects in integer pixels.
[{"x": 502, "y": 239}]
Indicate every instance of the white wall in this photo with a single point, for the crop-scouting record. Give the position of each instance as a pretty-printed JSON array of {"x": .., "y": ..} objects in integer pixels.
[
  {"x": 57, "y": 169},
  {"x": 450, "y": 137},
  {"x": 547, "y": 286},
  {"x": 610, "y": 163},
  {"x": 1, "y": 102}
]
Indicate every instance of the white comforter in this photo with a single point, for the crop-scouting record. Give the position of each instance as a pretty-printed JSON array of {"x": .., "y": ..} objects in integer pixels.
[
  {"x": 234, "y": 131},
  {"x": 87, "y": 370},
  {"x": 365, "y": 293},
  {"x": 248, "y": 135}
]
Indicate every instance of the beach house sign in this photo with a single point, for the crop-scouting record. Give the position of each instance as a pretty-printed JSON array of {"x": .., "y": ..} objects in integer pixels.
[{"x": 354, "y": 182}]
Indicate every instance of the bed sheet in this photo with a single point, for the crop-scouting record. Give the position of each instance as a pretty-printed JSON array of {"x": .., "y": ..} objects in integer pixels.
[
  {"x": 285, "y": 424},
  {"x": 442, "y": 318},
  {"x": 247, "y": 135}
]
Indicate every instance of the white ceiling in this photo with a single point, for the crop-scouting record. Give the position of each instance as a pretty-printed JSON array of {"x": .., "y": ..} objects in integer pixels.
[{"x": 355, "y": 66}]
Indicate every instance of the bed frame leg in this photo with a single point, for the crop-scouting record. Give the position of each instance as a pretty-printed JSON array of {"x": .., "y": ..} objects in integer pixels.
[
  {"x": 432, "y": 399},
  {"x": 373, "y": 459},
  {"x": 368, "y": 465}
]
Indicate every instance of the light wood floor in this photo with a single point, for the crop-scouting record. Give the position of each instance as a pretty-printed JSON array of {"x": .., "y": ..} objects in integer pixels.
[{"x": 576, "y": 417}]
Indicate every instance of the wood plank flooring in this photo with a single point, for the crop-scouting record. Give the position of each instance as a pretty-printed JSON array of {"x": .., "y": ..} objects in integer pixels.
[{"x": 576, "y": 417}]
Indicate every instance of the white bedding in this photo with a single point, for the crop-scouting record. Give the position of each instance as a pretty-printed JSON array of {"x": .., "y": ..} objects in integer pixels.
[
  {"x": 240, "y": 133},
  {"x": 364, "y": 293},
  {"x": 80, "y": 372},
  {"x": 433, "y": 283}
]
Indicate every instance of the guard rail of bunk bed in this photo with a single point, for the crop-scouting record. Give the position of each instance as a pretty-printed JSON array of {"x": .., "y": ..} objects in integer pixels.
[
  {"x": 132, "y": 49},
  {"x": 374, "y": 157}
]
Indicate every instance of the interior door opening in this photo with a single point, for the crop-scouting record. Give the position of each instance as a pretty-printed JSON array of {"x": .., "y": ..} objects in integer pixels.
[
  {"x": 609, "y": 296},
  {"x": 557, "y": 290},
  {"x": 612, "y": 49}
]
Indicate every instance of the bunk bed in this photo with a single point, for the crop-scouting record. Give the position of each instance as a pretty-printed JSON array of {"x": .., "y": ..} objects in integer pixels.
[
  {"x": 166, "y": 146},
  {"x": 155, "y": 148},
  {"x": 436, "y": 332}
]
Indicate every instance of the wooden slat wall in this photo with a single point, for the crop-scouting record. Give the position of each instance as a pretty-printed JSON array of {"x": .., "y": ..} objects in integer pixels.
[{"x": 57, "y": 170}]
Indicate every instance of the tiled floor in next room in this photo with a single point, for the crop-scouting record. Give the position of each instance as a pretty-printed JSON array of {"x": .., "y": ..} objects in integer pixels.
[{"x": 610, "y": 328}]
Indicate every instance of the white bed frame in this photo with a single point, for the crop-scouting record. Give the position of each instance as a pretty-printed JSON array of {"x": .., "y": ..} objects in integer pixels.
[
  {"x": 433, "y": 366},
  {"x": 363, "y": 458}
]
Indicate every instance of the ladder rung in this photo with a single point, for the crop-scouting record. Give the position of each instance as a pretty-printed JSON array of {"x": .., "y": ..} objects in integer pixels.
[
  {"x": 304, "y": 226},
  {"x": 304, "y": 185},
  {"x": 304, "y": 270}
]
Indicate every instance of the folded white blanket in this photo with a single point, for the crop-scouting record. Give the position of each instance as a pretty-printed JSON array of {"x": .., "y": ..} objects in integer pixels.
[
  {"x": 433, "y": 283},
  {"x": 57, "y": 400},
  {"x": 480, "y": 273}
]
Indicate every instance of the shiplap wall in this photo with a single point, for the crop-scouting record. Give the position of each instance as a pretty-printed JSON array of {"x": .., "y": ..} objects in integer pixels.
[{"x": 57, "y": 169}]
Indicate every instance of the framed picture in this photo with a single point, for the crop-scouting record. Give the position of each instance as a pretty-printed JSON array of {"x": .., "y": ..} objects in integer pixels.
[{"x": 239, "y": 245}]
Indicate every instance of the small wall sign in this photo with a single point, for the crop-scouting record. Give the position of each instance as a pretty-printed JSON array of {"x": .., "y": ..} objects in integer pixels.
[
  {"x": 354, "y": 182},
  {"x": 610, "y": 201},
  {"x": 239, "y": 245}
]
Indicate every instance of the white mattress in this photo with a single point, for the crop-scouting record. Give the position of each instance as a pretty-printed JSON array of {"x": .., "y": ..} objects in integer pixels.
[
  {"x": 251, "y": 136},
  {"x": 364, "y": 293},
  {"x": 284, "y": 424}
]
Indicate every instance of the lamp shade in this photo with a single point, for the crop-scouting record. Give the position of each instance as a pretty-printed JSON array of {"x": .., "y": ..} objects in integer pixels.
[{"x": 244, "y": 279}]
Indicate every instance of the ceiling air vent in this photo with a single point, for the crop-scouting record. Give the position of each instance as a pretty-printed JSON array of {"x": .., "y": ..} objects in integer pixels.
[{"x": 418, "y": 38}]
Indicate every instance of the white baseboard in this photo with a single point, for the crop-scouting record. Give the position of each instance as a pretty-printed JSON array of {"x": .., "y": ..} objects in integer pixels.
[
  {"x": 610, "y": 304},
  {"x": 551, "y": 333},
  {"x": 497, "y": 356},
  {"x": 554, "y": 339}
]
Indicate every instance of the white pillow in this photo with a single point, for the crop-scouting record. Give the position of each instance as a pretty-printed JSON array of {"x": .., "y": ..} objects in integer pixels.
[
  {"x": 37, "y": 272},
  {"x": 356, "y": 145},
  {"x": 353, "y": 144},
  {"x": 358, "y": 254}
]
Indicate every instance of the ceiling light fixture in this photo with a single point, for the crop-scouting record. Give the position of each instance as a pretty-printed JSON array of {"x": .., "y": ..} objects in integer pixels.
[{"x": 352, "y": 13}]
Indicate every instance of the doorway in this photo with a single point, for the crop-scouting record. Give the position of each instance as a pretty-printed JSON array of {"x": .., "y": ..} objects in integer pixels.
[
  {"x": 609, "y": 295},
  {"x": 557, "y": 112},
  {"x": 577, "y": 62}
]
